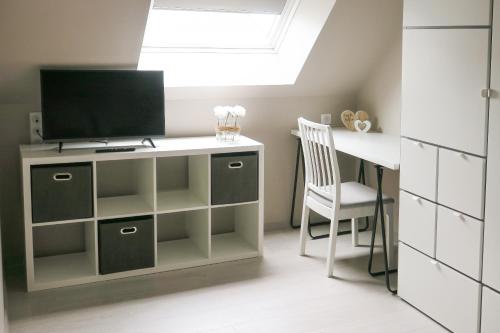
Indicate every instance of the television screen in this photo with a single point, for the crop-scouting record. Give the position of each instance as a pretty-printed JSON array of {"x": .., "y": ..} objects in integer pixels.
[{"x": 101, "y": 104}]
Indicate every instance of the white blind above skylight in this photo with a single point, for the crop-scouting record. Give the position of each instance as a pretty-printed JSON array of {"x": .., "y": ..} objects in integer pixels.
[
  {"x": 209, "y": 30},
  {"x": 234, "y": 6}
]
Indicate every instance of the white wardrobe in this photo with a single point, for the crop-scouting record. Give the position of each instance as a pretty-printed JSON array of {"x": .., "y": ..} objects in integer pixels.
[{"x": 449, "y": 253}]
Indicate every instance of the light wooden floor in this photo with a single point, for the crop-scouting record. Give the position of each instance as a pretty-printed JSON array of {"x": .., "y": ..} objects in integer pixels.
[{"x": 282, "y": 292}]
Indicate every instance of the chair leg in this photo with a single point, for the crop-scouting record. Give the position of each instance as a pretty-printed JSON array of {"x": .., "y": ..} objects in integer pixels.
[
  {"x": 391, "y": 247},
  {"x": 303, "y": 227},
  {"x": 354, "y": 230},
  {"x": 332, "y": 245}
]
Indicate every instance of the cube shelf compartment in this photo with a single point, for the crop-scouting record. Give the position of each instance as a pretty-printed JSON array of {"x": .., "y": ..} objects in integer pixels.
[
  {"x": 182, "y": 183},
  {"x": 125, "y": 187},
  {"x": 183, "y": 238},
  {"x": 234, "y": 231},
  {"x": 64, "y": 252}
]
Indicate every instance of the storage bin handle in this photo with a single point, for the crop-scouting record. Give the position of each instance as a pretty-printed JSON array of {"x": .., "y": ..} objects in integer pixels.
[
  {"x": 235, "y": 165},
  {"x": 62, "y": 176},
  {"x": 128, "y": 230}
]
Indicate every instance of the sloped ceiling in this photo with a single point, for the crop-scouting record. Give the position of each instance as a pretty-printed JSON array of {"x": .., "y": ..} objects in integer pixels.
[
  {"x": 64, "y": 32},
  {"x": 109, "y": 33}
]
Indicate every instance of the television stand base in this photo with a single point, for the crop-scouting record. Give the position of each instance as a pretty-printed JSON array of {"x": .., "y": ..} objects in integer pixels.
[
  {"x": 60, "y": 147},
  {"x": 150, "y": 142}
]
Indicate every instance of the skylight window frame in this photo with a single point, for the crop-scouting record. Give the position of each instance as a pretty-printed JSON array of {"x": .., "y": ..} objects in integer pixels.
[{"x": 278, "y": 33}]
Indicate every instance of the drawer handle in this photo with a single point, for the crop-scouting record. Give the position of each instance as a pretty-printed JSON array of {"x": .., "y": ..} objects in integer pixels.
[
  {"x": 128, "y": 230},
  {"x": 434, "y": 262},
  {"x": 235, "y": 165},
  {"x": 418, "y": 144},
  {"x": 486, "y": 93},
  {"x": 62, "y": 177},
  {"x": 417, "y": 199},
  {"x": 458, "y": 215},
  {"x": 461, "y": 155}
]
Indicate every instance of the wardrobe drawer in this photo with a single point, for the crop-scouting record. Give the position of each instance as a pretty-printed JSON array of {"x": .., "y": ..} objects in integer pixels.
[
  {"x": 490, "y": 321},
  {"x": 445, "y": 295},
  {"x": 418, "y": 168},
  {"x": 446, "y": 12},
  {"x": 461, "y": 182},
  {"x": 459, "y": 242},
  {"x": 417, "y": 222}
]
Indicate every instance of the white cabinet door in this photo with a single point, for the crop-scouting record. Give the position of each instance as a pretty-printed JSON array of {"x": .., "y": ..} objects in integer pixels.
[
  {"x": 461, "y": 182},
  {"x": 418, "y": 168},
  {"x": 444, "y": 72},
  {"x": 459, "y": 242},
  {"x": 446, "y": 12},
  {"x": 491, "y": 264},
  {"x": 417, "y": 222},
  {"x": 442, "y": 293},
  {"x": 490, "y": 321}
]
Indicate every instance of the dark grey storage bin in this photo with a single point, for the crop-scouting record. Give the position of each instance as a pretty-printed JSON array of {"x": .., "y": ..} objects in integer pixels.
[
  {"x": 61, "y": 192},
  {"x": 235, "y": 178},
  {"x": 126, "y": 244}
]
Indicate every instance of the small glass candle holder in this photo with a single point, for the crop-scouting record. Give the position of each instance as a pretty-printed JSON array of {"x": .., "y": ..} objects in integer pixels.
[{"x": 227, "y": 133}]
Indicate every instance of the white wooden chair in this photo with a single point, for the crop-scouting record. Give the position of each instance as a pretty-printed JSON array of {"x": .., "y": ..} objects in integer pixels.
[{"x": 350, "y": 200}]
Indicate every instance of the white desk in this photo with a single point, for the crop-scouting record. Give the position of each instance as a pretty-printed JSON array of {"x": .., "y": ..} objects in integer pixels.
[
  {"x": 381, "y": 149},
  {"x": 377, "y": 148}
]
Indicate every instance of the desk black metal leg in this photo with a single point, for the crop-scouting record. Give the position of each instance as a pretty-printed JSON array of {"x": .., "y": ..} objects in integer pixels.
[
  {"x": 297, "y": 159},
  {"x": 362, "y": 180},
  {"x": 379, "y": 206},
  {"x": 361, "y": 172}
]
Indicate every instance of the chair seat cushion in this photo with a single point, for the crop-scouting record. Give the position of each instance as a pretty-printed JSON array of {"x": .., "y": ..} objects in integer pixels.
[{"x": 352, "y": 194}]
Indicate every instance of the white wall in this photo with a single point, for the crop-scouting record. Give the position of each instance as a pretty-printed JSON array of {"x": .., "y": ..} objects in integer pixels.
[{"x": 380, "y": 96}]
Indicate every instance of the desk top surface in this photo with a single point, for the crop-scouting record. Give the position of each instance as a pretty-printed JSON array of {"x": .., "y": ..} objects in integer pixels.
[{"x": 375, "y": 147}]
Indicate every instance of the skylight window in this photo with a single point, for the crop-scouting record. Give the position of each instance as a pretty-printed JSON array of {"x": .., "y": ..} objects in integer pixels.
[
  {"x": 199, "y": 43},
  {"x": 210, "y": 29}
]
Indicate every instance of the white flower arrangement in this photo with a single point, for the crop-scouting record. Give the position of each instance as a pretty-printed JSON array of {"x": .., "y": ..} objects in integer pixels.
[{"x": 228, "y": 128}]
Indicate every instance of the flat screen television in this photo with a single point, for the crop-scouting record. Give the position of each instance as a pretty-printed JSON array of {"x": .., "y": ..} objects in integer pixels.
[{"x": 82, "y": 105}]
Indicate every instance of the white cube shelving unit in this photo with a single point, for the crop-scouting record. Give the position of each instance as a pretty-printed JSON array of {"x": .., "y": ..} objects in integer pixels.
[{"x": 171, "y": 183}]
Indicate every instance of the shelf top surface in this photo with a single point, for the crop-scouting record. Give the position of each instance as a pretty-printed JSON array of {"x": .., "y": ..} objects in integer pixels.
[{"x": 85, "y": 151}]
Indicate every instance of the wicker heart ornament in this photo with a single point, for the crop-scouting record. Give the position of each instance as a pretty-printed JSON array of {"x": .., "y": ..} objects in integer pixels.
[
  {"x": 348, "y": 118},
  {"x": 361, "y": 115}
]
